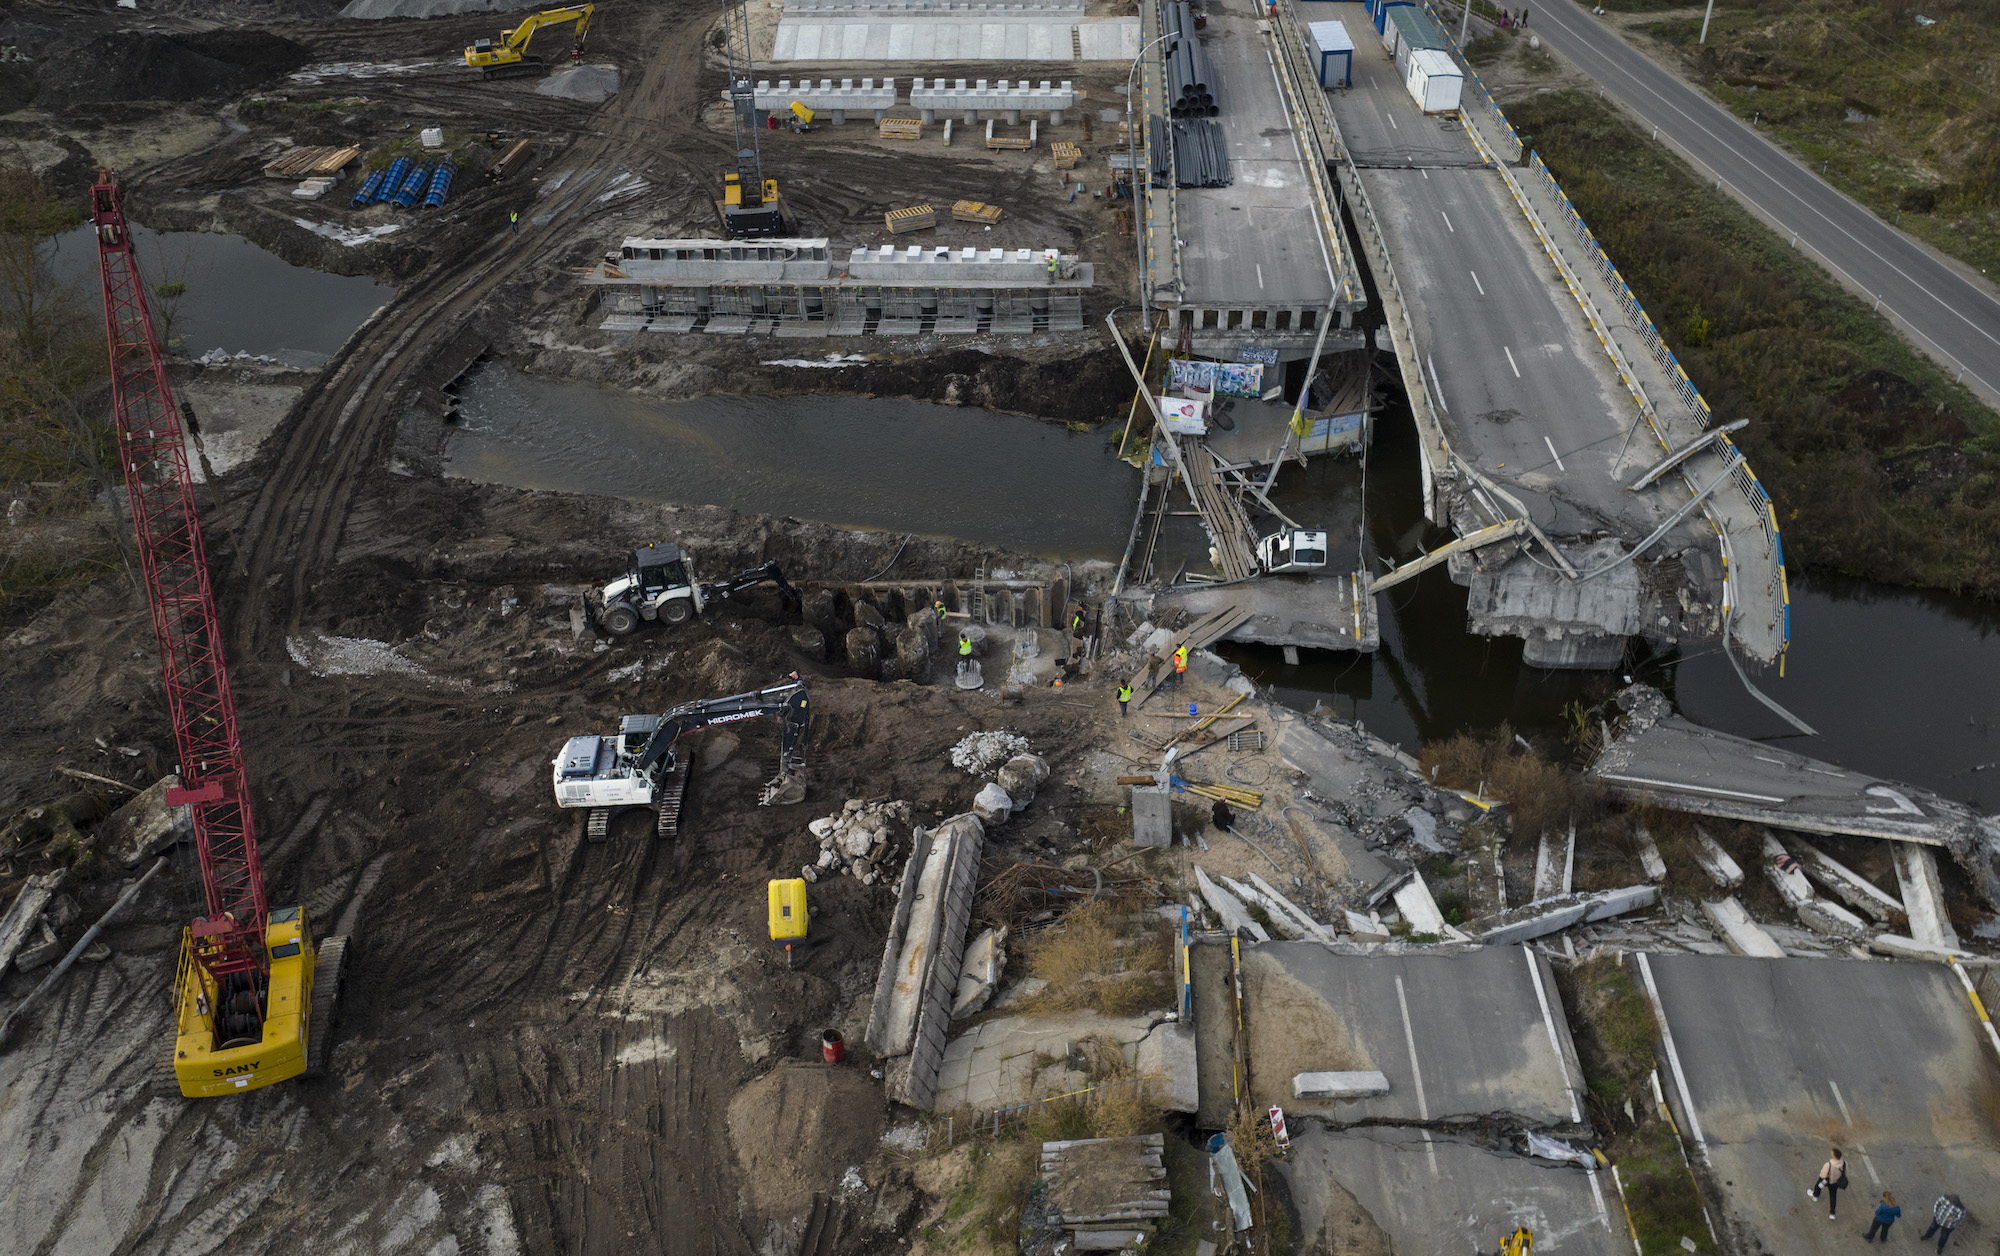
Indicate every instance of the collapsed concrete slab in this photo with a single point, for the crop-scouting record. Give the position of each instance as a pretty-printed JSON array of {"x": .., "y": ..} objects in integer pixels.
[
  {"x": 1553, "y": 915},
  {"x": 1923, "y": 898},
  {"x": 924, "y": 956},
  {"x": 1227, "y": 907},
  {"x": 1740, "y": 933},
  {"x": 145, "y": 826}
]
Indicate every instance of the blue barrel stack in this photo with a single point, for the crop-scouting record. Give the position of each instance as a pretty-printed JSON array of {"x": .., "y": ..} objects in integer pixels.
[
  {"x": 368, "y": 190},
  {"x": 413, "y": 185},
  {"x": 394, "y": 180},
  {"x": 440, "y": 184}
]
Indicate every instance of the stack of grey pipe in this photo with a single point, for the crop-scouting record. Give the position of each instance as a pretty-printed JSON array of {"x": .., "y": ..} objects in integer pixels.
[
  {"x": 1190, "y": 78},
  {"x": 1201, "y": 158}
]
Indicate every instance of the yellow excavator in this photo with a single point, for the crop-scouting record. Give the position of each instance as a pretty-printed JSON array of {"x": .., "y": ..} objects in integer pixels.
[{"x": 508, "y": 56}]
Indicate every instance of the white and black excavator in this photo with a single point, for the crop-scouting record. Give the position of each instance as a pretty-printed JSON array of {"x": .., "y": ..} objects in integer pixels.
[
  {"x": 643, "y": 765},
  {"x": 661, "y": 583}
]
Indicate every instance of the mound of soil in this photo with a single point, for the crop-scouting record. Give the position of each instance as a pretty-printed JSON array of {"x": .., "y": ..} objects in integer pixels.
[
  {"x": 142, "y": 65},
  {"x": 798, "y": 1128}
]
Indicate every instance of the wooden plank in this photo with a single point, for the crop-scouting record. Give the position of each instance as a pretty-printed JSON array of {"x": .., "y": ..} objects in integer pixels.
[
  {"x": 900, "y": 129},
  {"x": 18, "y": 925},
  {"x": 1196, "y": 635}
]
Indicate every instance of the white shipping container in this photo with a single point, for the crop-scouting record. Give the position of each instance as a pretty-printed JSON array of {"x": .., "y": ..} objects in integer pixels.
[{"x": 1434, "y": 81}]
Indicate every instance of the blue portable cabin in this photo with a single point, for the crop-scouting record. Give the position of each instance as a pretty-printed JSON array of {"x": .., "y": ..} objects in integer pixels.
[
  {"x": 413, "y": 185},
  {"x": 440, "y": 184},
  {"x": 394, "y": 180},
  {"x": 1336, "y": 53},
  {"x": 1380, "y": 12}
]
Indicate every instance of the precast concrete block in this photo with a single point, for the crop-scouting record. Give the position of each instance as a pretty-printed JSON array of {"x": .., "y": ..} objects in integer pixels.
[
  {"x": 1349, "y": 1085},
  {"x": 1152, "y": 816}
]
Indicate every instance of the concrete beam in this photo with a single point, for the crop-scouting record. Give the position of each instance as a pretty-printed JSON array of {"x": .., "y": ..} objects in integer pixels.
[
  {"x": 1227, "y": 907},
  {"x": 1009, "y": 98},
  {"x": 1923, "y": 897},
  {"x": 1352, "y": 1085},
  {"x": 1742, "y": 934},
  {"x": 1540, "y": 919},
  {"x": 1715, "y": 861},
  {"x": 1847, "y": 885}
]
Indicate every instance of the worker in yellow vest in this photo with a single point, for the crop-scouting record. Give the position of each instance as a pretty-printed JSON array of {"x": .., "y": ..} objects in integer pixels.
[
  {"x": 1180, "y": 664},
  {"x": 938, "y": 606},
  {"x": 965, "y": 645},
  {"x": 1124, "y": 700}
]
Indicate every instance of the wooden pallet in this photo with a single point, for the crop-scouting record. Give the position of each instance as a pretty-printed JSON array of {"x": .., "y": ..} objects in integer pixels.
[
  {"x": 910, "y": 218},
  {"x": 302, "y": 163},
  {"x": 1001, "y": 142},
  {"x": 1067, "y": 154},
  {"x": 900, "y": 129},
  {"x": 975, "y": 211}
]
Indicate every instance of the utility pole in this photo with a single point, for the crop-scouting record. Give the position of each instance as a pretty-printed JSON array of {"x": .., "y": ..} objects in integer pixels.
[
  {"x": 1464, "y": 21},
  {"x": 1706, "y": 14}
]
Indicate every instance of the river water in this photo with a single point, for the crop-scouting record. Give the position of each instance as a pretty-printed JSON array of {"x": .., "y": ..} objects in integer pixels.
[
  {"x": 1904, "y": 685},
  {"x": 239, "y": 298}
]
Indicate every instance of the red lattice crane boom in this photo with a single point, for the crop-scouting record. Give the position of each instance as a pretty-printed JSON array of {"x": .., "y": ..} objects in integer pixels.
[{"x": 152, "y": 451}]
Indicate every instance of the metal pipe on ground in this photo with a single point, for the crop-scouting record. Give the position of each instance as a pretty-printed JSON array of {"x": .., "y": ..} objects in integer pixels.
[{"x": 82, "y": 944}]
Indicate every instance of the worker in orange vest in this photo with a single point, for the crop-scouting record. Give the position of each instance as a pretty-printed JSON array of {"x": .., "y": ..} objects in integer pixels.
[{"x": 1180, "y": 664}]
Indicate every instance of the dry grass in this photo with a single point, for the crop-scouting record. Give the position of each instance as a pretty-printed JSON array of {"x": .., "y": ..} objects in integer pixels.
[
  {"x": 1092, "y": 958},
  {"x": 1124, "y": 1108},
  {"x": 1540, "y": 794}
]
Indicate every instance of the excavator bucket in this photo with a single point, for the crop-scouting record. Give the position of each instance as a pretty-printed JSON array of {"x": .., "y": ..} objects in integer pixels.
[{"x": 787, "y": 789}]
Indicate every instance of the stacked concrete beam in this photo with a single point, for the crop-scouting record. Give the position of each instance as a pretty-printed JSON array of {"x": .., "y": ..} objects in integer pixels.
[
  {"x": 924, "y": 956},
  {"x": 835, "y": 102},
  {"x": 1008, "y": 98},
  {"x": 919, "y": 266},
  {"x": 726, "y": 261},
  {"x": 935, "y": 8}
]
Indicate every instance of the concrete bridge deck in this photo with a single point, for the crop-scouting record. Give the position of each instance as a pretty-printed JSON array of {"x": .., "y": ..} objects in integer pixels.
[{"x": 1542, "y": 390}]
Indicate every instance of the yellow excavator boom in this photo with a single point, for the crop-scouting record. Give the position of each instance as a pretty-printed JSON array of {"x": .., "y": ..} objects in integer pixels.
[{"x": 511, "y": 49}]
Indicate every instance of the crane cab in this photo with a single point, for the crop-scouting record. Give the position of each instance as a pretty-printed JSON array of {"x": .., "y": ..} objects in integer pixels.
[{"x": 247, "y": 1029}]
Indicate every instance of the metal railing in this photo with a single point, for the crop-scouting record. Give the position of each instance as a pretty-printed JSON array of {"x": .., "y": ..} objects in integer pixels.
[{"x": 1319, "y": 137}]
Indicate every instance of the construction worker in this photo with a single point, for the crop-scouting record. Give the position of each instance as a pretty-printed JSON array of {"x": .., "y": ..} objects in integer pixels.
[
  {"x": 1124, "y": 700},
  {"x": 938, "y": 606},
  {"x": 1076, "y": 623},
  {"x": 514, "y": 222},
  {"x": 1052, "y": 265},
  {"x": 964, "y": 645},
  {"x": 1180, "y": 664}
]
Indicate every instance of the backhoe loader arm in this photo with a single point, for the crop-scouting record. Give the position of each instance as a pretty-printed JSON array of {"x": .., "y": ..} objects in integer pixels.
[{"x": 769, "y": 573}]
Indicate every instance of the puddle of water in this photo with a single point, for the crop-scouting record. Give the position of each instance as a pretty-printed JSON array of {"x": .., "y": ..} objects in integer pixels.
[
  {"x": 240, "y": 299},
  {"x": 864, "y": 462}
]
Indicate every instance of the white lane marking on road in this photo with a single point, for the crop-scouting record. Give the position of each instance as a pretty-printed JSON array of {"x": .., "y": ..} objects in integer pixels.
[
  {"x": 1848, "y": 1117},
  {"x": 1425, "y": 173},
  {"x": 1803, "y": 202},
  {"x": 1553, "y": 454},
  {"x": 1392, "y": 119},
  {"x": 1476, "y": 283},
  {"x": 1416, "y": 1071},
  {"x": 1555, "y": 1045},
  {"x": 1447, "y": 222},
  {"x": 1510, "y": 360},
  {"x": 1597, "y": 1193},
  {"x": 1260, "y": 274},
  {"x": 1673, "y": 1058}
]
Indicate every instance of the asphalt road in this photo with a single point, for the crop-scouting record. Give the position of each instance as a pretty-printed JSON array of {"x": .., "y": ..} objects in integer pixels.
[
  {"x": 1443, "y": 1196},
  {"x": 1785, "y": 1059},
  {"x": 1459, "y": 1036},
  {"x": 1255, "y": 243},
  {"x": 1947, "y": 314},
  {"x": 1528, "y": 393}
]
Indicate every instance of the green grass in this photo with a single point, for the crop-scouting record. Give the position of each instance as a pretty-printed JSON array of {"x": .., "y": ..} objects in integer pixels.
[
  {"x": 1898, "y": 115},
  {"x": 1879, "y": 465}
]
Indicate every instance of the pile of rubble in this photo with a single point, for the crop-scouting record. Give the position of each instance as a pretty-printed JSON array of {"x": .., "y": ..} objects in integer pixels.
[
  {"x": 980, "y": 753},
  {"x": 862, "y": 840}
]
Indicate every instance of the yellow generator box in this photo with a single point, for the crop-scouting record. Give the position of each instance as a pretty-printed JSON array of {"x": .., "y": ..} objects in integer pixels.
[{"x": 788, "y": 909}]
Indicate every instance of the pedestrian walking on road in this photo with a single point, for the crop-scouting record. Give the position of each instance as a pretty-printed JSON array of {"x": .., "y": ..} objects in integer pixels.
[
  {"x": 1886, "y": 1213},
  {"x": 1832, "y": 1177},
  {"x": 1950, "y": 1210}
]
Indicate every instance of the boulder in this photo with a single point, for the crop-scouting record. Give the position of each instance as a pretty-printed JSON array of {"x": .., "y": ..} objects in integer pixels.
[
  {"x": 1020, "y": 776},
  {"x": 979, "y": 976},
  {"x": 854, "y": 841},
  {"x": 868, "y": 615},
  {"x": 864, "y": 652},
  {"x": 144, "y": 826},
  {"x": 809, "y": 641},
  {"x": 992, "y": 805}
]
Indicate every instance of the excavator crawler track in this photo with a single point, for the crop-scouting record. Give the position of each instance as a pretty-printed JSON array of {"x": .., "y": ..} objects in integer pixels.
[
  {"x": 599, "y": 825},
  {"x": 672, "y": 791},
  {"x": 329, "y": 970}
]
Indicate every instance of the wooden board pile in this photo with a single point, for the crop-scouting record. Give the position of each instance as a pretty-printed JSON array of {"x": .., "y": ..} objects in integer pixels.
[
  {"x": 900, "y": 128},
  {"x": 910, "y": 218},
  {"x": 975, "y": 211},
  {"x": 1066, "y": 154},
  {"x": 1110, "y": 1193},
  {"x": 302, "y": 163}
]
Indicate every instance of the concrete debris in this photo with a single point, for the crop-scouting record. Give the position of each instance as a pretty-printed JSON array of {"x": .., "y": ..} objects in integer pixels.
[
  {"x": 1366, "y": 928},
  {"x": 1548, "y": 874},
  {"x": 1226, "y": 1178},
  {"x": 1313, "y": 929},
  {"x": 1539, "y": 919},
  {"x": 1899, "y": 947},
  {"x": 1021, "y": 776},
  {"x": 980, "y": 753},
  {"x": 1786, "y": 873},
  {"x": 1413, "y": 899},
  {"x": 24, "y": 916},
  {"x": 1555, "y": 1149},
  {"x": 863, "y": 839},
  {"x": 145, "y": 826},
  {"x": 1227, "y": 907},
  {"x": 1743, "y": 935},
  {"x": 992, "y": 804},
  {"x": 591, "y": 84},
  {"x": 1152, "y": 816},
  {"x": 1649, "y": 855},
  {"x": 1351, "y": 1085},
  {"x": 1848, "y": 886},
  {"x": 979, "y": 975},
  {"x": 1715, "y": 861},
  {"x": 924, "y": 954},
  {"x": 1166, "y": 1057},
  {"x": 1287, "y": 928},
  {"x": 1923, "y": 897}
]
